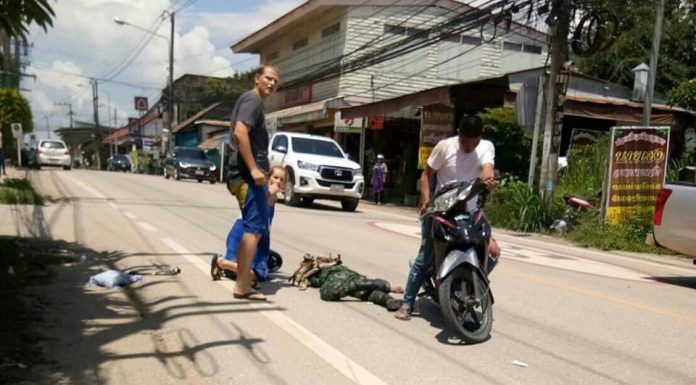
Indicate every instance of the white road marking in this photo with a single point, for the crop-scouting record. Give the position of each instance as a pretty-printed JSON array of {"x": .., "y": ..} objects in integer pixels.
[
  {"x": 147, "y": 227},
  {"x": 89, "y": 189},
  {"x": 349, "y": 368},
  {"x": 113, "y": 205},
  {"x": 130, "y": 215},
  {"x": 538, "y": 256}
]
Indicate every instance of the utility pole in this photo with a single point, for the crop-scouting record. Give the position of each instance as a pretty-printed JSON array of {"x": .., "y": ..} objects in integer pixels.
[
  {"x": 70, "y": 111},
  {"x": 97, "y": 136},
  {"x": 170, "y": 103},
  {"x": 647, "y": 105},
  {"x": 555, "y": 95}
]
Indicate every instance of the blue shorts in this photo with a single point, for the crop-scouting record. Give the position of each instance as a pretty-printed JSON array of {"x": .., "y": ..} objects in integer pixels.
[{"x": 255, "y": 213}]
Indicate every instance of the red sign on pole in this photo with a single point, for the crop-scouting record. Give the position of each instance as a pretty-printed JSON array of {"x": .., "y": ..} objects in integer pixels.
[{"x": 140, "y": 103}]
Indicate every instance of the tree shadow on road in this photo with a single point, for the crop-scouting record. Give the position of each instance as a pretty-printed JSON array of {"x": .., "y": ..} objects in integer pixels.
[{"x": 85, "y": 332}]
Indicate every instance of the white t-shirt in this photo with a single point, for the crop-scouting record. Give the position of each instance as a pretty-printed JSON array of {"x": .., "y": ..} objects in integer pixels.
[{"x": 454, "y": 165}]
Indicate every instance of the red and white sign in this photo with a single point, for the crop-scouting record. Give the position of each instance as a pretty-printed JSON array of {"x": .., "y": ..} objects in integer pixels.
[
  {"x": 140, "y": 103},
  {"x": 350, "y": 125}
]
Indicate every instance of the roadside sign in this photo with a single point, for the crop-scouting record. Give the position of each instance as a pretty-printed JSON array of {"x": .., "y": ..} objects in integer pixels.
[
  {"x": 140, "y": 103},
  {"x": 637, "y": 168},
  {"x": 437, "y": 123},
  {"x": 16, "y": 130},
  {"x": 349, "y": 125}
]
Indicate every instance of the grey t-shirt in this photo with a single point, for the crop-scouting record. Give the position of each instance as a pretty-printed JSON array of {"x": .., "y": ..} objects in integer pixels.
[{"x": 249, "y": 109}]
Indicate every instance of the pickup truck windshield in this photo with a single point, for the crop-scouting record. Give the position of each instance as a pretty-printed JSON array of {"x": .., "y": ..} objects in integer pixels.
[{"x": 316, "y": 147}]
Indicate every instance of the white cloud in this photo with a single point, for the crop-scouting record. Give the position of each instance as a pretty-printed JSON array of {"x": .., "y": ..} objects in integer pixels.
[{"x": 85, "y": 42}]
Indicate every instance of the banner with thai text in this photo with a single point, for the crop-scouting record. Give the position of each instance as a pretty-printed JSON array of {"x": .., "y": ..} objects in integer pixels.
[
  {"x": 637, "y": 168},
  {"x": 437, "y": 123}
]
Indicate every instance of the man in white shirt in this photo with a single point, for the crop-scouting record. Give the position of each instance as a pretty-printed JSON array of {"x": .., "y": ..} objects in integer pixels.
[{"x": 459, "y": 158}]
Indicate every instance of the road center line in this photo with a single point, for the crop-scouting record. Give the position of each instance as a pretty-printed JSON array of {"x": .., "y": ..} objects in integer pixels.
[{"x": 349, "y": 368}]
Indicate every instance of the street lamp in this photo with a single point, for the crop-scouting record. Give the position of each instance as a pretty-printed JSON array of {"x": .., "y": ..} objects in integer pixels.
[{"x": 170, "y": 81}]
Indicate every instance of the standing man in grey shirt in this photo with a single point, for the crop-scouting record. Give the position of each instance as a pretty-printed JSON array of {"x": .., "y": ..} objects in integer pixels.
[{"x": 248, "y": 124}]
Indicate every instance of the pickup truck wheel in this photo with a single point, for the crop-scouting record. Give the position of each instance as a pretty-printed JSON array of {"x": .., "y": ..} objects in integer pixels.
[
  {"x": 349, "y": 204},
  {"x": 291, "y": 199}
]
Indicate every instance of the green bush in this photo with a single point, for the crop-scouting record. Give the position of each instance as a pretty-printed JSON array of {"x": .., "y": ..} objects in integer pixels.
[
  {"x": 512, "y": 145},
  {"x": 514, "y": 206},
  {"x": 591, "y": 231},
  {"x": 585, "y": 171},
  {"x": 19, "y": 192}
]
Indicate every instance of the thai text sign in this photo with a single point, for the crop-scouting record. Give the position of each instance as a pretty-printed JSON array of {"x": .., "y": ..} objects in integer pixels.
[
  {"x": 349, "y": 125},
  {"x": 437, "y": 122},
  {"x": 636, "y": 170}
]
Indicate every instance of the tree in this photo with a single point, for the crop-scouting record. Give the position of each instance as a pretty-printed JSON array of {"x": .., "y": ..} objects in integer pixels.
[
  {"x": 512, "y": 145},
  {"x": 677, "y": 59},
  {"x": 227, "y": 89},
  {"x": 683, "y": 95},
  {"x": 14, "y": 108},
  {"x": 17, "y": 15}
]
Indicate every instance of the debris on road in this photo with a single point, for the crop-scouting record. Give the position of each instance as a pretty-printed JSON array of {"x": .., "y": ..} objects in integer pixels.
[{"x": 519, "y": 363}]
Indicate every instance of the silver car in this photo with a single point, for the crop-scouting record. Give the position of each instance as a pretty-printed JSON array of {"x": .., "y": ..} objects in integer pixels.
[{"x": 53, "y": 152}]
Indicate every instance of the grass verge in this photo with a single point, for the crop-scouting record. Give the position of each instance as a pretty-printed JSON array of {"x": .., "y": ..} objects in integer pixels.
[{"x": 19, "y": 192}]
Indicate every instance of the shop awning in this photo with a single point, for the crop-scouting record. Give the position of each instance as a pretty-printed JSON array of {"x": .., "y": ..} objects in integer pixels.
[
  {"x": 304, "y": 113},
  {"x": 439, "y": 95}
]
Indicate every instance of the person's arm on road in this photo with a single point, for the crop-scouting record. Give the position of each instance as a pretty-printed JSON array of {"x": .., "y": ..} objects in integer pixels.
[{"x": 241, "y": 133}]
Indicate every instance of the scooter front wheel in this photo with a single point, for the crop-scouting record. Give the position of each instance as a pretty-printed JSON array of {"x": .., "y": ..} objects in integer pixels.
[{"x": 467, "y": 312}]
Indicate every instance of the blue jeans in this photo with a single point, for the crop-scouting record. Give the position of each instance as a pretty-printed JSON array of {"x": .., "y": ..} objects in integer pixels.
[{"x": 420, "y": 266}]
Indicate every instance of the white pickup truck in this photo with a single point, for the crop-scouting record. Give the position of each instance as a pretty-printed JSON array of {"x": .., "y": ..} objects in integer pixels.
[
  {"x": 317, "y": 169},
  {"x": 674, "y": 225}
]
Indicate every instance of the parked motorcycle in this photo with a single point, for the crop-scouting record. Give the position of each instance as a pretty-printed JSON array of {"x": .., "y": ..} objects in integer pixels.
[
  {"x": 458, "y": 279},
  {"x": 574, "y": 204}
]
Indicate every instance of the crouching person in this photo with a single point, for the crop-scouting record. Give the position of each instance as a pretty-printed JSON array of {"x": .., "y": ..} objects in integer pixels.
[{"x": 335, "y": 281}]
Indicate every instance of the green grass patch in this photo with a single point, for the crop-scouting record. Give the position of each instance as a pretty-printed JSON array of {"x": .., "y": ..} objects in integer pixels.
[
  {"x": 19, "y": 192},
  {"x": 590, "y": 231},
  {"x": 515, "y": 207}
]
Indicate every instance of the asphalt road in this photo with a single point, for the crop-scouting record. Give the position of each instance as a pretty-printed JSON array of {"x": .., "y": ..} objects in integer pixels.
[{"x": 563, "y": 315}]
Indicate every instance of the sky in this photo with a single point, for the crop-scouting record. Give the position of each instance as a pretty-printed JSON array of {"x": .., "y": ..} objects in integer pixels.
[{"x": 85, "y": 43}]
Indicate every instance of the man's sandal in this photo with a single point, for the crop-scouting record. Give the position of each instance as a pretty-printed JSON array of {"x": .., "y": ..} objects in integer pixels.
[
  {"x": 215, "y": 270},
  {"x": 404, "y": 313},
  {"x": 252, "y": 295}
]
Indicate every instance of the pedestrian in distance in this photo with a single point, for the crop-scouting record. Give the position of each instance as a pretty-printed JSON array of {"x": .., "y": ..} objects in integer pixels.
[
  {"x": 260, "y": 268},
  {"x": 248, "y": 125},
  {"x": 379, "y": 178},
  {"x": 456, "y": 159}
]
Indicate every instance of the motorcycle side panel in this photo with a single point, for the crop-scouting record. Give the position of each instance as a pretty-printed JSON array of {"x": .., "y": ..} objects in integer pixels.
[{"x": 456, "y": 258}]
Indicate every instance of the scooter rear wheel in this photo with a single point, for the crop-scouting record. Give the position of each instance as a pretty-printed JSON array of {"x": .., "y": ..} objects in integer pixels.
[{"x": 469, "y": 316}]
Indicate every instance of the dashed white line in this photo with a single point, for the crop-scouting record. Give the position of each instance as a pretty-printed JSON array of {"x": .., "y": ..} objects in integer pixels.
[
  {"x": 130, "y": 215},
  {"x": 349, "y": 368},
  {"x": 147, "y": 227}
]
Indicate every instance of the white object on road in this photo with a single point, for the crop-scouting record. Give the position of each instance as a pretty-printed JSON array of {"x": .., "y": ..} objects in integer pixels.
[{"x": 519, "y": 363}]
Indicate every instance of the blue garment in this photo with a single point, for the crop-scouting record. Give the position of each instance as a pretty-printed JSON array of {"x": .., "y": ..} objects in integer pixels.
[
  {"x": 113, "y": 278},
  {"x": 255, "y": 213},
  {"x": 260, "y": 263},
  {"x": 420, "y": 266}
]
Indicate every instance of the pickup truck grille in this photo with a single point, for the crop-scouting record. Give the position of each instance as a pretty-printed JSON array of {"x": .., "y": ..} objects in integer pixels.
[
  {"x": 324, "y": 183},
  {"x": 336, "y": 173}
]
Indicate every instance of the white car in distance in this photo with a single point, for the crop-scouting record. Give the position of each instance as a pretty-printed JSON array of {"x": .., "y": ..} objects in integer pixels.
[
  {"x": 53, "y": 152},
  {"x": 317, "y": 169}
]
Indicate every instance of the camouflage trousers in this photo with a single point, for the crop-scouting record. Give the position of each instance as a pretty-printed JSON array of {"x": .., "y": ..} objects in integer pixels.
[{"x": 338, "y": 281}]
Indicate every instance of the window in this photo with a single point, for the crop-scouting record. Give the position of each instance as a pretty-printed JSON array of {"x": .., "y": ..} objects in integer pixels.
[
  {"x": 399, "y": 30},
  {"x": 299, "y": 44},
  {"x": 473, "y": 40},
  {"x": 316, "y": 147},
  {"x": 272, "y": 56},
  {"x": 280, "y": 140},
  {"x": 531, "y": 49},
  {"x": 512, "y": 46},
  {"x": 331, "y": 30},
  {"x": 56, "y": 145}
]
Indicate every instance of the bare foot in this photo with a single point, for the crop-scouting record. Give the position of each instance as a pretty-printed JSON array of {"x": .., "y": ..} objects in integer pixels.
[
  {"x": 397, "y": 290},
  {"x": 250, "y": 294}
]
